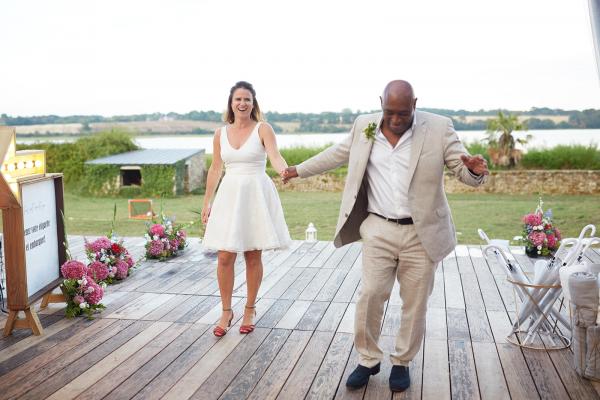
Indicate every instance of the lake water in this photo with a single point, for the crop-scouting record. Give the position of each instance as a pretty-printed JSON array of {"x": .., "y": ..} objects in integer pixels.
[{"x": 540, "y": 139}]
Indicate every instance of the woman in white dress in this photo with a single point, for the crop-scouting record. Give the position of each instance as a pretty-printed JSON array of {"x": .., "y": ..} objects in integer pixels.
[{"x": 246, "y": 214}]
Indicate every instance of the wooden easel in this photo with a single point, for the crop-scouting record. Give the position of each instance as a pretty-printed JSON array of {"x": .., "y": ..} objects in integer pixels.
[{"x": 18, "y": 298}]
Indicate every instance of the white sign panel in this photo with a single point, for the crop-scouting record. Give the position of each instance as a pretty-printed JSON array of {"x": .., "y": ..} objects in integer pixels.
[{"x": 41, "y": 241}]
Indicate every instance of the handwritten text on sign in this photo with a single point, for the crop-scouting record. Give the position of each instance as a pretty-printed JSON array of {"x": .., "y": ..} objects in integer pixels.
[{"x": 41, "y": 239}]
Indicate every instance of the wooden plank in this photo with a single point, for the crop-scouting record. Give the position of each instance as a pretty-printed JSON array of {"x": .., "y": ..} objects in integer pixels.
[
  {"x": 453, "y": 289},
  {"x": 275, "y": 313},
  {"x": 185, "y": 307},
  {"x": 332, "y": 317},
  {"x": 307, "y": 366},
  {"x": 322, "y": 257},
  {"x": 12, "y": 372},
  {"x": 312, "y": 316},
  {"x": 294, "y": 314},
  {"x": 119, "y": 366},
  {"x": 544, "y": 375},
  {"x": 576, "y": 386},
  {"x": 246, "y": 380},
  {"x": 347, "y": 323},
  {"x": 145, "y": 304},
  {"x": 284, "y": 283},
  {"x": 436, "y": 327},
  {"x": 489, "y": 372},
  {"x": 489, "y": 291},
  {"x": 436, "y": 375},
  {"x": 29, "y": 341},
  {"x": 332, "y": 285},
  {"x": 458, "y": 328},
  {"x": 463, "y": 377},
  {"x": 449, "y": 264},
  {"x": 82, "y": 364},
  {"x": 335, "y": 258},
  {"x": 311, "y": 255},
  {"x": 166, "y": 307},
  {"x": 329, "y": 374},
  {"x": 198, "y": 312},
  {"x": 351, "y": 256},
  {"x": 343, "y": 392},
  {"x": 275, "y": 376},
  {"x": 145, "y": 374},
  {"x": 350, "y": 283},
  {"x": 294, "y": 290},
  {"x": 517, "y": 375},
  {"x": 500, "y": 325},
  {"x": 471, "y": 292},
  {"x": 314, "y": 287},
  {"x": 479, "y": 326},
  {"x": 199, "y": 372},
  {"x": 220, "y": 379}
]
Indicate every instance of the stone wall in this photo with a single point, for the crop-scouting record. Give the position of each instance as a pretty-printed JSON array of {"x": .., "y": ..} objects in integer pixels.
[{"x": 508, "y": 182}]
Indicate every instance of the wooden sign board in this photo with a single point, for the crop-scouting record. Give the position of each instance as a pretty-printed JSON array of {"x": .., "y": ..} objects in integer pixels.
[{"x": 34, "y": 247}]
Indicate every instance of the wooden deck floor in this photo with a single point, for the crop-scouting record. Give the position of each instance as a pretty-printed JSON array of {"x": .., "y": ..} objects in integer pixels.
[{"x": 155, "y": 338}]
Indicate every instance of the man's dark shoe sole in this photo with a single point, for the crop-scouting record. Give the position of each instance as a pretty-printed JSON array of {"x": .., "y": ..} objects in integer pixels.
[{"x": 360, "y": 376}]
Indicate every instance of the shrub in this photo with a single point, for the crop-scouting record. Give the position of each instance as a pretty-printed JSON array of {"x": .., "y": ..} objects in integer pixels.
[
  {"x": 563, "y": 157},
  {"x": 69, "y": 158}
]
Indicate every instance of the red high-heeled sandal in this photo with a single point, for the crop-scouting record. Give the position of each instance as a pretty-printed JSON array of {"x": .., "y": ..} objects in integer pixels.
[
  {"x": 219, "y": 331},
  {"x": 245, "y": 329}
]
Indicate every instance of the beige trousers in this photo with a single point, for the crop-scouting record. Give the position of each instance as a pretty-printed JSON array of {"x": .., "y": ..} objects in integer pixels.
[{"x": 392, "y": 251}]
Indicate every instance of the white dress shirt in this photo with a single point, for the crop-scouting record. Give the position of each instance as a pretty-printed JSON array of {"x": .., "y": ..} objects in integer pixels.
[{"x": 387, "y": 175}]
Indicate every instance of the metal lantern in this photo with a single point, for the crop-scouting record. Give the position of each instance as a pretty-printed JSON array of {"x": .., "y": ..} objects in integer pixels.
[{"x": 311, "y": 233}]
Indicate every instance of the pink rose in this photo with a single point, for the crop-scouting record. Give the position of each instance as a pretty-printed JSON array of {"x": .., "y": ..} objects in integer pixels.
[
  {"x": 99, "y": 244},
  {"x": 533, "y": 219},
  {"x": 122, "y": 269},
  {"x": 557, "y": 234},
  {"x": 93, "y": 292},
  {"x": 129, "y": 261},
  {"x": 551, "y": 241},
  {"x": 174, "y": 244},
  {"x": 97, "y": 271},
  {"x": 73, "y": 269},
  {"x": 537, "y": 238},
  {"x": 157, "y": 230},
  {"x": 78, "y": 299},
  {"x": 156, "y": 248}
]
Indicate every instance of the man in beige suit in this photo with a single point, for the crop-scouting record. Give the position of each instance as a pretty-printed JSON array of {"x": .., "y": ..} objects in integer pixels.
[{"x": 394, "y": 201}]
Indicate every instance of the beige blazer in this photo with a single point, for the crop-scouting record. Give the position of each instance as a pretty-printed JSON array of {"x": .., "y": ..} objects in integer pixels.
[{"x": 434, "y": 145}]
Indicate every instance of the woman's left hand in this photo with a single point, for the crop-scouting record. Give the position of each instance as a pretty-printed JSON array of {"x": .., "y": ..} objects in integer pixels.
[{"x": 205, "y": 214}]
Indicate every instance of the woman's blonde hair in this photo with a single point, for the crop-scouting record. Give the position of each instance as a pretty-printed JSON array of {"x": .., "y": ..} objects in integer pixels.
[{"x": 255, "y": 114}]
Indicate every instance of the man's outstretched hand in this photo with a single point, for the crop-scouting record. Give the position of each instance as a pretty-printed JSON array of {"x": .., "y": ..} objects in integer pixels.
[
  {"x": 476, "y": 164},
  {"x": 289, "y": 173}
]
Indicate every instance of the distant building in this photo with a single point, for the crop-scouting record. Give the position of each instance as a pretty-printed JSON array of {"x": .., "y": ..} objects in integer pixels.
[{"x": 150, "y": 172}]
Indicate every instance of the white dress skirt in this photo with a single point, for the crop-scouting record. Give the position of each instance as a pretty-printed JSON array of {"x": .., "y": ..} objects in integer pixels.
[{"x": 246, "y": 213}]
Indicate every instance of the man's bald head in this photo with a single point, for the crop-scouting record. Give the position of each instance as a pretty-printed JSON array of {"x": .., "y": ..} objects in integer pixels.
[
  {"x": 399, "y": 89},
  {"x": 398, "y": 103}
]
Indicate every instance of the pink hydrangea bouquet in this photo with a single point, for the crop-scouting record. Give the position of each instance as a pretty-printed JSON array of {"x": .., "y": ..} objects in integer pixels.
[
  {"x": 165, "y": 239},
  {"x": 108, "y": 259},
  {"x": 540, "y": 236},
  {"x": 82, "y": 292}
]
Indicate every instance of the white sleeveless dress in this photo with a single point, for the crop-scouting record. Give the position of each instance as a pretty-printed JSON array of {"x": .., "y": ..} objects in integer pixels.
[{"x": 246, "y": 213}]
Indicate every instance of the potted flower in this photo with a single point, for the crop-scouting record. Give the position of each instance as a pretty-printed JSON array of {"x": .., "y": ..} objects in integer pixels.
[
  {"x": 540, "y": 236},
  {"x": 164, "y": 239}
]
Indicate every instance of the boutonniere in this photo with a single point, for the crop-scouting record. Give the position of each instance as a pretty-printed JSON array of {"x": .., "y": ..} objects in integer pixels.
[{"x": 369, "y": 131}]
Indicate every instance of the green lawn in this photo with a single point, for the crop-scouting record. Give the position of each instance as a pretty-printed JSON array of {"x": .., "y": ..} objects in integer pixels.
[{"x": 498, "y": 215}]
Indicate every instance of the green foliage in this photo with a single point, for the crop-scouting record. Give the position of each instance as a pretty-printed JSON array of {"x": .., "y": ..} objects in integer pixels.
[
  {"x": 158, "y": 180},
  {"x": 502, "y": 149},
  {"x": 99, "y": 180},
  {"x": 563, "y": 157},
  {"x": 478, "y": 148},
  {"x": 69, "y": 158}
]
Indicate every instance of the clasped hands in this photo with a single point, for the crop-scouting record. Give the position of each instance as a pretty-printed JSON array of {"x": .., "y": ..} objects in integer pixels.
[
  {"x": 476, "y": 164},
  {"x": 288, "y": 173}
]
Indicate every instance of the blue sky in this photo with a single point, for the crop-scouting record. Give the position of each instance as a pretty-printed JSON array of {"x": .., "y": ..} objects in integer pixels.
[{"x": 123, "y": 57}]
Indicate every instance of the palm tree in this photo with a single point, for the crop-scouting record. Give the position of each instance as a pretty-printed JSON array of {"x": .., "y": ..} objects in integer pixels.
[{"x": 502, "y": 150}]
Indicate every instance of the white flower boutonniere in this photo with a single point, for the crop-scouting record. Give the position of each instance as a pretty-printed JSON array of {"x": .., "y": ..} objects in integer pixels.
[{"x": 369, "y": 131}]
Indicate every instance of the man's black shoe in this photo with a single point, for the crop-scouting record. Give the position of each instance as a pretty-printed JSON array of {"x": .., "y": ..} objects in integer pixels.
[
  {"x": 399, "y": 378},
  {"x": 360, "y": 376}
]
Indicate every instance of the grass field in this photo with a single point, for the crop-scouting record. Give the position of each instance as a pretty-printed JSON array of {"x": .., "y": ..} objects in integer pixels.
[{"x": 498, "y": 215}]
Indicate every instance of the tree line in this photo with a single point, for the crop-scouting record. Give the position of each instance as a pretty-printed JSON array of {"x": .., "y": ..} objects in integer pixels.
[{"x": 332, "y": 121}]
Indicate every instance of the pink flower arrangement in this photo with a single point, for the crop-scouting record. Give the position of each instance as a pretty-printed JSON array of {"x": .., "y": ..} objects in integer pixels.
[
  {"x": 164, "y": 240},
  {"x": 73, "y": 269},
  {"x": 109, "y": 259},
  {"x": 539, "y": 234},
  {"x": 82, "y": 293}
]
